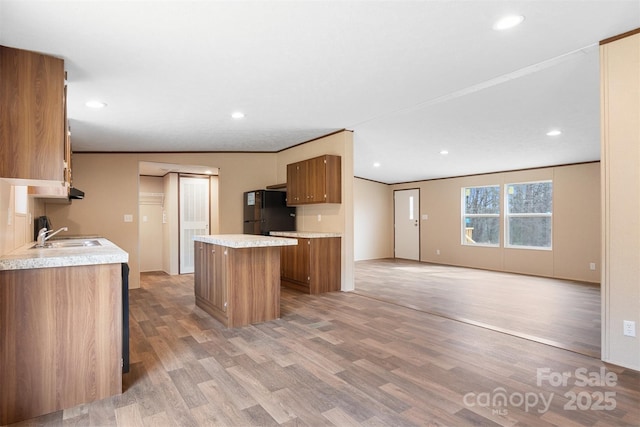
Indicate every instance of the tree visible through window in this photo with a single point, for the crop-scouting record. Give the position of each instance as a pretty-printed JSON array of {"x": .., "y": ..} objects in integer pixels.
[
  {"x": 481, "y": 215},
  {"x": 528, "y": 214}
]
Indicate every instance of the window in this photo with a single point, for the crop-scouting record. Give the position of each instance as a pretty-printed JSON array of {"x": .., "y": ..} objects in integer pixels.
[
  {"x": 528, "y": 214},
  {"x": 481, "y": 215}
]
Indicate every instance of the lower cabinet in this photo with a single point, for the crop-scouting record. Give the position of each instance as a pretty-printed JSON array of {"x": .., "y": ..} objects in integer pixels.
[
  {"x": 237, "y": 286},
  {"x": 209, "y": 279},
  {"x": 312, "y": 266},
  {"x": 60, "y": 338}
]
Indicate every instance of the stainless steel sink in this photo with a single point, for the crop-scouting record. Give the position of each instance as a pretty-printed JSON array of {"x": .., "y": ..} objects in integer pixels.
[{"x": 68, "y": 243}]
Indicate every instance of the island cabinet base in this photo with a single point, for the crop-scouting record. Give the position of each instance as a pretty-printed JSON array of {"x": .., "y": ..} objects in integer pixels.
[
  {"x": 237, "y": 286},
  {"x": 61, "y": 338}
]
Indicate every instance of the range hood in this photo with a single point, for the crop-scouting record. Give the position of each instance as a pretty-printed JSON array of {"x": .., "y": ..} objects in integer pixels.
[
  {"x": 74, "y": 193},
  {"x": 52, "y": 193}
]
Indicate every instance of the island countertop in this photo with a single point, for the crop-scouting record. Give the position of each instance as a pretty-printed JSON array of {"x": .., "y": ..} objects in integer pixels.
[
  {"x": 27, "y": 256},
  {"x": 305, "y": 234},
  {"x": 244, "y": 240}
]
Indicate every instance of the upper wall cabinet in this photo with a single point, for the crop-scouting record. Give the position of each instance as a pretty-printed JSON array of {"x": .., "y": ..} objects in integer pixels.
[
  {"x": 317, "y": 180},
  {"x": 32, "y": 113}
]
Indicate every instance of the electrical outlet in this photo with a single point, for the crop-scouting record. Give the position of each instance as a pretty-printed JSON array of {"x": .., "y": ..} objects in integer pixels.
[
  {"x": 629, "y": 328},
  {"x": 592, "y": 266},
  {"x": 319, "y": 217},
  {"x": 128, "y": 218},
  {"x": 437, "y": 251}
]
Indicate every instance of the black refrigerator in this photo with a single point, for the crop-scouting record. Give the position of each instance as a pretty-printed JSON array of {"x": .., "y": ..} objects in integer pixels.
[{"x": 266, "y": 211}]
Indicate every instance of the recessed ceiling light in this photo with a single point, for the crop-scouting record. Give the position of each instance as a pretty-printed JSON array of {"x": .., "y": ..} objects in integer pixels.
[
  {"x": 554, "y": 132},
  {"x": 96, "y": 104},
  {"x": 508, "y": 22},
  {"x": 444, "y": 152},
  {"x": 376, "y": 165},
  {"x": 238, "y": 115}
]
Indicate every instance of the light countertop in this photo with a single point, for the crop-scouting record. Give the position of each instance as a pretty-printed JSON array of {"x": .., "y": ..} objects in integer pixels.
[
  {"x": 305, "y": 234},
  {"x": 244, "y": 240},
  {"x": 27, "y": 257}
]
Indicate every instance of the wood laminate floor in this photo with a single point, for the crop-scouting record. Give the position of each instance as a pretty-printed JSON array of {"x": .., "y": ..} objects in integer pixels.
[
  {"x": 342, "y": 359},
  {"x": 561, "y": 313}
]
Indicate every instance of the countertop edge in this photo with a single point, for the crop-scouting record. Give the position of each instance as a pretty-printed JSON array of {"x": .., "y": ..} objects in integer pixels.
[
  {"x": 24, "y": 257},
  {"x": 306, "y": 234},
  {"x": 244, "y": 240}
]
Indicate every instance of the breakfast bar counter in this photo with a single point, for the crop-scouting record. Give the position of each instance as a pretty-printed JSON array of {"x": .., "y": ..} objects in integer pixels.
[{"x": 237, "y": 277}]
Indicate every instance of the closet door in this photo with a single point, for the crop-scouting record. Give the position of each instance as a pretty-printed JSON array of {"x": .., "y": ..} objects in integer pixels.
[{"x": 194, "y": 217}]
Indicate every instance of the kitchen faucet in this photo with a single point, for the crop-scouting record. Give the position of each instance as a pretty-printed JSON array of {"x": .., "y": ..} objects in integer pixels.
[{"x": 42, "y": 235}]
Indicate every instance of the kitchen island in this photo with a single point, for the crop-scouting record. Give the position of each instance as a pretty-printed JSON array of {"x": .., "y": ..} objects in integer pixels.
[
  {"x": 61, "y": 335},
  {"x": 237, "y": 277}
]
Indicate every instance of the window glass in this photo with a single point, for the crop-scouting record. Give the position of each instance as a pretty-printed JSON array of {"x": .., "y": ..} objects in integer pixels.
[
  {"x": 529, "y": 214},
  {"x": 481, "y": 215},
  {"x": 21, "y": 199}
]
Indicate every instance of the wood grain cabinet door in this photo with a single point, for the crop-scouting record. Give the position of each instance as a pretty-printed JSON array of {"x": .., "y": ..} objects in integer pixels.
[
  {"x": 316, "y": 180},
  {"x": 32, "y": 113},
  {"x": 294, "y": 262},
  {"x": 294, "y": 184},
  {"x": 218, "y": 277}
]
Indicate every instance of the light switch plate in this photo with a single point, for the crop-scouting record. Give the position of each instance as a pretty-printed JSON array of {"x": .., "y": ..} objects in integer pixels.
[
  {"x": 629, "y": 328},
  {"x": 128, "y": 218}
]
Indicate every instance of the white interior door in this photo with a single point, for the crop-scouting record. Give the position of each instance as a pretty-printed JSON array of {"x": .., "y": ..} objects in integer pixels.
[
  {"x": 407, "y": 226},
  {"x": 194, "y": 217}
]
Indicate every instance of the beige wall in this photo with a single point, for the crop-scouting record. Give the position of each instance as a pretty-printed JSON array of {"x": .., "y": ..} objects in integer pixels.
[
  {"x": 110, "y": 183},
  {"x": 576, "y": 224},
  {"x": 620, "y": 71},
  {"x": 373, "y": 225}
]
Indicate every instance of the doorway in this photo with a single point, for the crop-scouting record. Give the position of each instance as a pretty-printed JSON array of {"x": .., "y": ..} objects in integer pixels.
[
  {"x": 159, "y": 186},
  {"x": 407, "y": 224}
]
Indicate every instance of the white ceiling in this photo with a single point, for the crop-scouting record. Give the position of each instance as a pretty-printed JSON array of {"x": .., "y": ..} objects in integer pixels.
[{"x": 410, "y": 78}]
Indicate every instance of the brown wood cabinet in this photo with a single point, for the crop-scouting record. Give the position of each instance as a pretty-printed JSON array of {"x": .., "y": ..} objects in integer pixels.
[
  {"x": 32, "y": 113},
  {"x": 312, "y": 266},
  {"x": 237, "y": 286},
  {"x": 209, "y": 278},
  {"x": 316, "y": 180},
  {"x": 61, "y": 338}
]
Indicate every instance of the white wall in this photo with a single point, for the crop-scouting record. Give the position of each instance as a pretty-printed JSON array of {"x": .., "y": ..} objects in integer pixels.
[
  {"x": 170, "y": 235},
  {"x": 151, "y": 235}
]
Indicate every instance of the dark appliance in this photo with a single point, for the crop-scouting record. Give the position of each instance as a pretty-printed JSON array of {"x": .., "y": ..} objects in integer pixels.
[
  {"x": 125, "y": 317},
  {"x": 40, "y": 223},
  {"x": 266, "y": 211}
]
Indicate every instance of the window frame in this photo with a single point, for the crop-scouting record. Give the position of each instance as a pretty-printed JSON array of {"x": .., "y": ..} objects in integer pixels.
[
  {"x": 507, "y": 216},
  {"x": 464, "y": 215}
]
